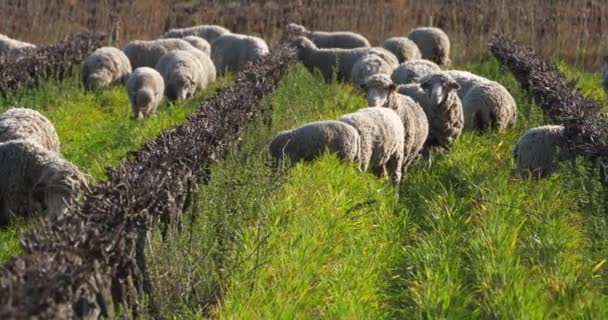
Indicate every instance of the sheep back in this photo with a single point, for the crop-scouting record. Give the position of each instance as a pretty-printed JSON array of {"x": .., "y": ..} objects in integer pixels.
[
  {"x": 488, "y": 106},
  {"x": 207, "y": 32},
  {"x": 182, "y": 72},
  {"x": 145, "y": 88},
  {"x": 411, "y": 71},
  {"x": 538, "y": 151},
  {"x": 230, "y": 52},
  {"x": 147, "y": 53},
  {"x": 28, "y": 124},
  {"x": 199, "y": 43},
  {"x": 104, "y": 67},
  {"x": 369, "y": 65},
  {"x": 339, "y": 39},
  {"x": 434, "y": 44},
  {"x": 403, "y": 48}
]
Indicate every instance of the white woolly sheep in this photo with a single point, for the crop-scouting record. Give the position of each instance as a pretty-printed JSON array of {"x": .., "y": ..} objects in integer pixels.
[
  {"x": 231, "y": 52},
  {"x": 433, "y": 43},
  {"x": 487, "y": 106},
  {"x": 145, "y": 88},
  {"x": 207, "y": 32},
  {"x": 199, "y": 43},
  {"x": 369, "y": 65},
  {"x": 13, "y": 46},
  {"x": 411, "y": 71},
  {"x": 147, "y": 53},
  {"x": 381, "y": 92},
  {"x": 208, "y": 66},
  {"x": 605, "y": 74},
  {"x": 466, "y": 80},
  {"x": 35, "y": 179},
  {"x": 339, "y": 60},
  {"x": 183, "y": 74},
  {"x": 403, "y": 48},
  {"x": 322, "y": 39},
  {"x": 104, "y": 67},
  {"x": 382, "y": 141},
  {"x": 437, "y": 95},
  {"x": 538, "y": 151},
  {"x": 309, "y": 141},
  {"x": 28, "y": 124}
]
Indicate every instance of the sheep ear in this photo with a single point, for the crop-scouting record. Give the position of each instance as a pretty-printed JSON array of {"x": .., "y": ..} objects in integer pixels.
[
  {"x": 454, "y": 85},
  {"x": 392, "y": 87}
]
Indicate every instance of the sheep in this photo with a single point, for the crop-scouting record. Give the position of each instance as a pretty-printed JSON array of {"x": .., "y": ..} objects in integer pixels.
[
  {"x": 340, "y": 39},
  {"x": 208, "y": 66},
  {"x": 13, "y": 46},
  {"x": 147, "y": 53},
  {"x": 466, "y": 80},
  {"x": 145, "y": 88},
  {"x": 433, "y": 43},
  {"x": 35, "y": 179},
  {"x": 381, "y": 93},
  {"x": 538, "y": 151},
  {"x": 605, "y": 74},
  {"x": 309, "y": 141},
  {"x": 104, "y": 67},
  {"x": 382, "y": 141},
  {"x": 340, "y": 60},
  {"x": 198, "y": 43},
  {"x": 183, "y": 74},
  {"x": 489, "y": 105},
  {"x": 437, "y": 95},
  {"x": 230, "y": 52},
  {"x": 403, "y": 48},
  {"x": 207, "y": 32},
  {"x": 411, "y": 71},
  {"x": 28, "y": 124},
  {"x": 368, "y": 65}
]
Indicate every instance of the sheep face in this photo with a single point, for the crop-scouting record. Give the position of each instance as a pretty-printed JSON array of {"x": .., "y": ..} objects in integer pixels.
[
  {"x": 439, "y": 88},
  {"x": 58, "y": 187},
  {"x": 179, "y": 88},
  {"x": 97, "y": 80},
  {"x": 144, "y": 103},
  {"x": 379, "y": 88}
]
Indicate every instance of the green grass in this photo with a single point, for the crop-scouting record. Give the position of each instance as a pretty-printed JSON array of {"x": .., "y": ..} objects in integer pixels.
[
  {"x": 96, "y": 130},
  {"x": 590, "y": 83}
]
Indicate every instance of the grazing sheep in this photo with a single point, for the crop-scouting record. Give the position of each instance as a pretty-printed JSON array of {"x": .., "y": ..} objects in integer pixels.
[
  {"x": 35, "y": 179},
  {"x": 309, "y": 141},
  {"x": 13, "y": 46},
  {"x": 466, "y": 80},
  {"x": 369, "y": 65},
  {"x": 381, "y": 93},
  {"x": 437, "y": 95},
  {"x": 411, "y": 71},
  {"x": 433, "y": 43},
  {"x": 145, "y": 88},
  {"x": 538, "y": 151},
  {"x": 487, "y": 106},
  {"x": 28, "y": 124},
  {"x": 605, "y": 74},
  {"x": 104, "y": 67},
  {"x": 183, "y": 74},
  {"x": 386, "y": 55},
  {"x": 198, "y": 43},
  {"x": 329, "y": 60},
  {"x": 382, "y": 134},
  {"x": 403, "y": 48},
  {"x": 147, "y": 53},
  {"x": 207, "y": 63},
  {"x": 340, "y": 39},
  {"x": 207, "y": 32},
  {"x": 230, "y": 52}
]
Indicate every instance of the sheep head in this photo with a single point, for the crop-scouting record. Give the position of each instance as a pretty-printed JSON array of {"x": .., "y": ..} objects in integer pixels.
[
  {"x": 438, "y": 86},
  {"x": 379, "y": 87}
]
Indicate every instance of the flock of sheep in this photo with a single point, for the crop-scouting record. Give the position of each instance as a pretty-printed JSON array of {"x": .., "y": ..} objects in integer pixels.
[{"x": 413, "y": 104}]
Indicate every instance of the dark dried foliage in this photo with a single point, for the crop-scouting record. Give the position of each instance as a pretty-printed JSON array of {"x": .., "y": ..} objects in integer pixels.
[
  {"x": 558, "y": 96},
  {"x": 32, "y": 66},
  {"x": 85, "y": 263}
]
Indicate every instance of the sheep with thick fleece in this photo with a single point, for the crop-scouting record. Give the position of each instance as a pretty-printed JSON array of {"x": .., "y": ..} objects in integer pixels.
[
  {"x": 13, "y": 46},
  {"x": 367, "y": 66},
  {"x": 309, "y": 141},
  {"x": 231, "y": 52},
  {"x": 489, "y": 105},
  {"x": 183, "y": 74},
  {"x": 208, "y": 66},
  {"x": 145, "y": 88},
  {"x": 199, "y": 43},
  {"x": 205, "y": 31},
  {"x": 382, "y": 138},
  {"x": 403, "y": 48},
  {"x": 538, "y": 151},
  {"x": 143, "y": 53},
  {"x": 466, "y": 80},
  {"x": 437, "y": 95},
  {"x": 434, "y": 44},
  {"x": 28, "y": 124},
  {"x": 411, "y": 71},
  {"x": 104, "y": 67},
  {"x": 35, "y": 179},
  {"x": 381, "y": 92},
  {"x": 336, "y": 39},
  {"x": 339, "y": 60}
]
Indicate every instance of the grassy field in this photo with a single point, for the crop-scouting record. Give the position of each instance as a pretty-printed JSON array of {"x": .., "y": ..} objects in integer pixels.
[
  {"x": 96, "y": 130},
  {"x": 321, "y": 240}
]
